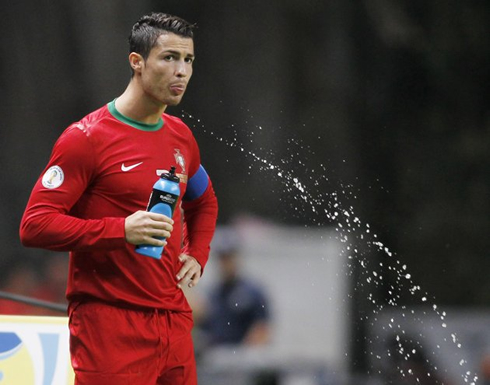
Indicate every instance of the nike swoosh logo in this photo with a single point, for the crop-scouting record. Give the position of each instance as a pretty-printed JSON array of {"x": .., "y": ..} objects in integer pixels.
[{"x": 127, "y": 168}]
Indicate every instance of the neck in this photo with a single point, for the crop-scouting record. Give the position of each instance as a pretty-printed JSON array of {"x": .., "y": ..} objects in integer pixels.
[{"x": 137, "y": 105}]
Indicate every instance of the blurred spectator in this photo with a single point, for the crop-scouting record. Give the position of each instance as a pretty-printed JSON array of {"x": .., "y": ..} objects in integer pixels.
[
  {"x": 238, "y": 310},
  {"x": 484, "y": 378}
]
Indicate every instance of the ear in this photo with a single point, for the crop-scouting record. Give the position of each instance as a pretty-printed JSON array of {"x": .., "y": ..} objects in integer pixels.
[{"x": 136, "y": 61}]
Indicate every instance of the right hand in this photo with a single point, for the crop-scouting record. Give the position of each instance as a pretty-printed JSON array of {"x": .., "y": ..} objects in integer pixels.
[{"x": 142, "y": 227}]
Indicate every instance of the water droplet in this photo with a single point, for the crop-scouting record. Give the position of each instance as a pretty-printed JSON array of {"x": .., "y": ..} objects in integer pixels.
[{"x": 328, "y": 208}]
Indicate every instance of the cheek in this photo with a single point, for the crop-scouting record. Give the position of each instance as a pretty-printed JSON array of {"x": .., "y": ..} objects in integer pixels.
[{"x": 154, "y": 80}]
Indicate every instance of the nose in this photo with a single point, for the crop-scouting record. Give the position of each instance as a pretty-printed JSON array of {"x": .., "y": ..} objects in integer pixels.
[{"x": 181, "y": 69}]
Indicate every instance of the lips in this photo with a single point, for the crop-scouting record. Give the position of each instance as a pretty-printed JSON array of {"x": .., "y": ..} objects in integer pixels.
[{"x": 178, "y": 88}]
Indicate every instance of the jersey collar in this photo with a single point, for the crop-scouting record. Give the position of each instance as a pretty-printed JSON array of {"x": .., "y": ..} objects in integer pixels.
[{"x": 131, "y": 122}]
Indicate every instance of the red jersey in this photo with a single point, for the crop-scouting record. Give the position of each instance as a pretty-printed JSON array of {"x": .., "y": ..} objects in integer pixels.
[{"x": 101, "y": 170}]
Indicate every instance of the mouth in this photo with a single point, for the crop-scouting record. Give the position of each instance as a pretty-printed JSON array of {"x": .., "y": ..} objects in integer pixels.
[{"x": 177, "y": 88}]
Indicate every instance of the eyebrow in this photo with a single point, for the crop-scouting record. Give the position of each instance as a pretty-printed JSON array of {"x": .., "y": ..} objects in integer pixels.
[{"x": 178, "y": 53}]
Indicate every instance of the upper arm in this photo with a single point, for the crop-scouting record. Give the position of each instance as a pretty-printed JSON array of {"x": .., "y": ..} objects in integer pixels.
[
  {"x": 67, "y": 174},
  {"x": 197, "y": 185}
]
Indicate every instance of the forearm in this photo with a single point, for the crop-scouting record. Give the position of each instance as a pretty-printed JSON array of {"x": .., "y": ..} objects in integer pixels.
[
  {"x": 60, "y": 232},
  {"x": 200, "y": 221}
]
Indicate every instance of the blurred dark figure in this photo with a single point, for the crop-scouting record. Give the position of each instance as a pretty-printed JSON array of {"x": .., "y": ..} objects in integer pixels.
[
  {"x": 238, "y": 310},
  {"x": 484, "y": 378}
]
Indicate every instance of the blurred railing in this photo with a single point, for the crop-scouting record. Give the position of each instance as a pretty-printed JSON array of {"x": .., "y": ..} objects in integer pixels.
[{"x": 33, "y": 301}]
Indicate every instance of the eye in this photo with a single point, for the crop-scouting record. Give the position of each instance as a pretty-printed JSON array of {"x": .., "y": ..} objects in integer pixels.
[
  {"x": 189, "y": 60},
  {"x": 169, "y": 57}
]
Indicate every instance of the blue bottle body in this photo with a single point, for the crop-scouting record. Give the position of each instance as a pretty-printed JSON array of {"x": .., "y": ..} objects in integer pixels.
[{"x": 163, "y": 199}]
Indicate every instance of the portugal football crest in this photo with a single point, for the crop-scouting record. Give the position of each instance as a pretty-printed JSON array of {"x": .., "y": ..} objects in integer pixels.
[{"x": 179, "y": 158}]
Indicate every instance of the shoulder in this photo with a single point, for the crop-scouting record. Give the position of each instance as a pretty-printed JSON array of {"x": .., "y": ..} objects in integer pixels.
[
  {"x": 97, "y": 123},
  {"x": 252, "y": 287},
  {"x": 172, "y": 119},
  {"x": 91, "y": 122},
  {"x": 176, "y": 123}
]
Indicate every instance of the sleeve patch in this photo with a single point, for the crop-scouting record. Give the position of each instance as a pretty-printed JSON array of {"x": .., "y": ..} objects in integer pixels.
[{"x": 53, "y": 177}]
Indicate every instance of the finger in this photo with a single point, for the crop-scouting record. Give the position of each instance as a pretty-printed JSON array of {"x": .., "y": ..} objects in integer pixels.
[
  {"x": 189, "y": 280},
  {"x": 159, "y": 233},
  {"x": 185, "y": 274},
  {"x": 160, "y": 217},
  {"x": 153, "y": 242},
  {"x": 190, "y": 272},
  {"x": 195, "y": 280},
  {"x": 187, "y": 262},
  {"x": 158, "y": 225},
  {"x": 183, "y": 277}
]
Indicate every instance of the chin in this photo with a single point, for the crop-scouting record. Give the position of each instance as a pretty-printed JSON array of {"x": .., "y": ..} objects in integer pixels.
[{"x": 173, "y": 102}]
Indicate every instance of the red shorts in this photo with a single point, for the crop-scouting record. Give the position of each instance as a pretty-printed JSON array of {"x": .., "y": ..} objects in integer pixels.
[{"x": 112, "y": 345}]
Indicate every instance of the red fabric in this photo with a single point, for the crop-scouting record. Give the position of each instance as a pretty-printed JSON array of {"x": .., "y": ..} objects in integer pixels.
[
  {"x": 197, "y": 232},
  {"x": 134, "y": 348},
  {"x": 85, "y": 214}
]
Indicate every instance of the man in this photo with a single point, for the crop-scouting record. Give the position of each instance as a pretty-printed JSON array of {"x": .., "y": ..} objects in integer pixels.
[
  {"x": 129, "y": 320},
  {"x": 238, "y": 307}
]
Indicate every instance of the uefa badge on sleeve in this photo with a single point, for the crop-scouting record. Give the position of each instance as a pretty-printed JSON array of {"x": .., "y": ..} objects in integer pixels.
[{"x": 53, "y": 177}]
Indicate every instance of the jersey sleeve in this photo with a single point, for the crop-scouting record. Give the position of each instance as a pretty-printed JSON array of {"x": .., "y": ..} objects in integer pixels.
[
  {"x": 47, "y": 222},
  {"x": 200, "y": 207}
]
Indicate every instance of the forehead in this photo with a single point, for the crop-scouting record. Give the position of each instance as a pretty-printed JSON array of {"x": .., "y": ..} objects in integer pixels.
[{"x": 168, "y": 41}]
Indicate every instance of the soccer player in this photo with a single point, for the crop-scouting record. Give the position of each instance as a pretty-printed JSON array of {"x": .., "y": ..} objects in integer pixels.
[{"x": 129, "y": 320}]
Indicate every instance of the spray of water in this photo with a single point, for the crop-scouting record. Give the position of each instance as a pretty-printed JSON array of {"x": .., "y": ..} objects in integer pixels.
[{"x": 328, "y": 207}]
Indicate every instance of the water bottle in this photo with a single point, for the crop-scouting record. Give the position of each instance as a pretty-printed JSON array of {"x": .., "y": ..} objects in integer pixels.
[{"x": 163, "y": 200}]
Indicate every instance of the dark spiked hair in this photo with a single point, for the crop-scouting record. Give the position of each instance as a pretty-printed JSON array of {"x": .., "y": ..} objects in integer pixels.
[{"x": 148, "y": 28}]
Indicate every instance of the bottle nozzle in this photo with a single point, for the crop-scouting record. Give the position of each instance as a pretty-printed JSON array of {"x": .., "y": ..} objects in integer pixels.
[{"x": 171, "y": 175}]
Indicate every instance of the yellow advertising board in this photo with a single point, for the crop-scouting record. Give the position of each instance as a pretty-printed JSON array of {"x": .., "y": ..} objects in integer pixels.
[{"x": 34, "y": 351}]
